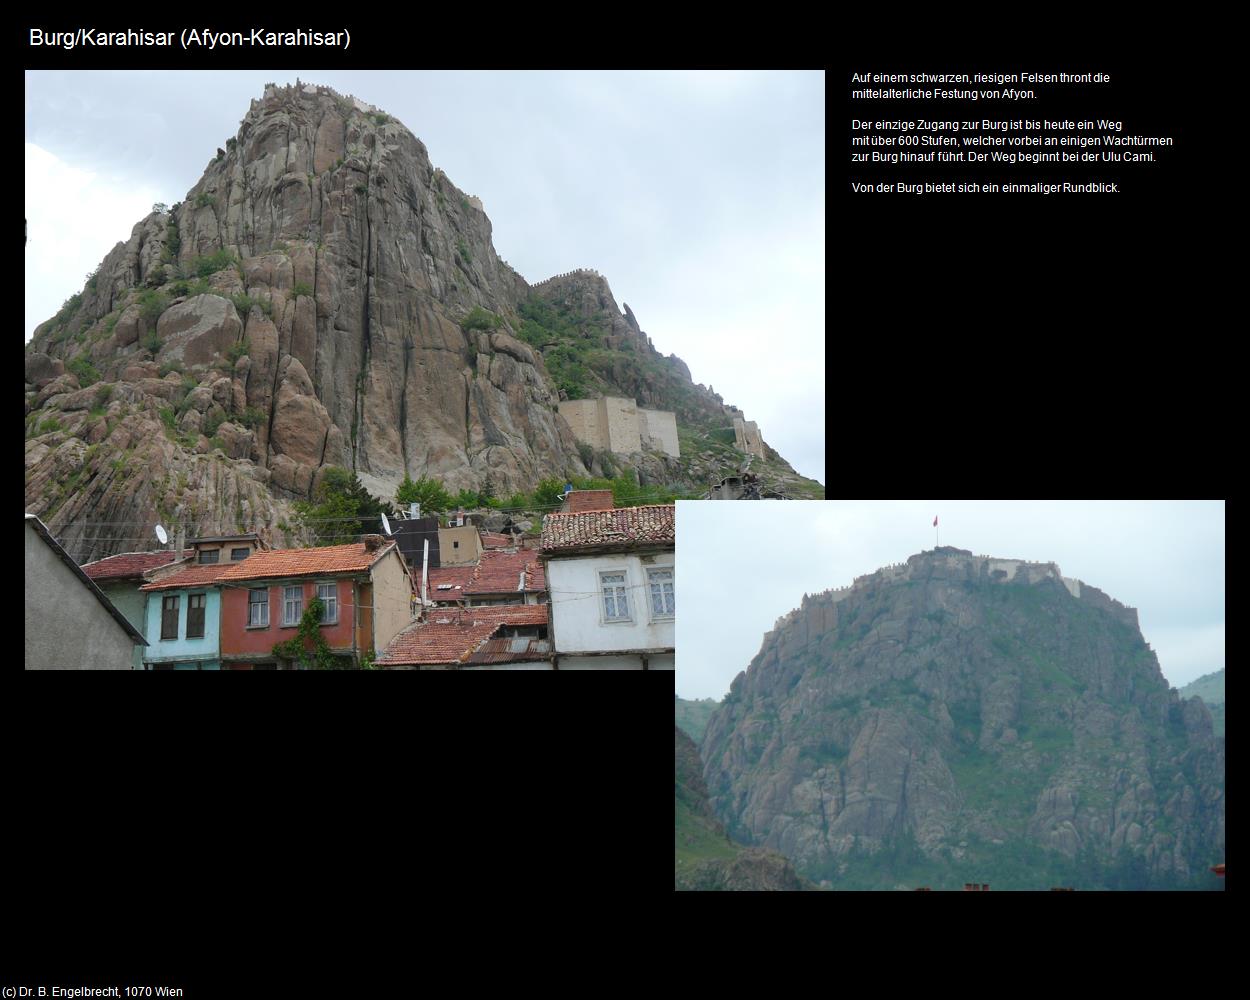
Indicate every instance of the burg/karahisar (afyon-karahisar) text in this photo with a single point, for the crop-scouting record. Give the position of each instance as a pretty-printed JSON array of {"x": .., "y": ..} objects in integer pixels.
[{"x": 190, "y": 38}]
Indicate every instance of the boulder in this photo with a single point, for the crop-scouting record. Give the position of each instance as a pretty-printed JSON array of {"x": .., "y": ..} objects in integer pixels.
[
  {"x": 300, "y": 422},
  {"x": 128, "y": 328},
  {"x": 59, "y": 386},
  {"x": 200, "y": 398},
  {"x": 199, "y": 330},
  {"x": 41, "y": 369},
  {"x": 238, "y": 439}
]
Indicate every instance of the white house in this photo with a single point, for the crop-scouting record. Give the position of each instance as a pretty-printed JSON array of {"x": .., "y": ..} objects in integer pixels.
[{"x": 610, "y": 576}]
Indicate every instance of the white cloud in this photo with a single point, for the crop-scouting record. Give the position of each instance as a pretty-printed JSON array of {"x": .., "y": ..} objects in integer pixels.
[{"x": 74, "y": 218}]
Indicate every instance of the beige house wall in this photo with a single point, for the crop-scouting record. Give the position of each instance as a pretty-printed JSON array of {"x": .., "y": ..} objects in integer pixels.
[
  {"x": 467, "y": 553},
  {"x": 392, "y": 597}
]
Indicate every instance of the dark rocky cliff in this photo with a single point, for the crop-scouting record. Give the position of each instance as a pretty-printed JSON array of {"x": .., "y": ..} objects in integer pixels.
[
  {"x": 957, "y": 718},
  {"x": 706, "y": 859}
]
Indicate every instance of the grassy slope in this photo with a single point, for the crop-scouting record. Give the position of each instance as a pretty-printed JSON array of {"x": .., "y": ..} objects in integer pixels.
[{"x": 692, "y": 716}]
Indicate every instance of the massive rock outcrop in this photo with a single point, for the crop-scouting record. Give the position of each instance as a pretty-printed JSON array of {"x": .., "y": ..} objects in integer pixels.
[
  {"x": 960, "y": 718},
  {"x": 706, "y": 859},
  {"x": 352, "y": 298}
]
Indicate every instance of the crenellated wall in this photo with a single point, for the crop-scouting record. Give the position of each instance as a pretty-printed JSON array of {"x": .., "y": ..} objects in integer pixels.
[{"x": 985, "y": 568}]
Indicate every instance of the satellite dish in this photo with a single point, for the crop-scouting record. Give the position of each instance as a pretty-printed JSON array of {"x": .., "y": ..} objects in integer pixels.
[
  {"x": 386, "y": 525},
  {"x": 162, "y": 534}
]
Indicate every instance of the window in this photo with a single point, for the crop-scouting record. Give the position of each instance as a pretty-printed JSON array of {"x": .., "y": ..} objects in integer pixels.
[
  {"x": 292, "y": 604},
  {"x": 455, "y": 545},
  {"x": 195, "y": 616},
  {"x": 169, "y": 618},
  {"x": 209, "y": 555},
  {"x": 258, "y": 608},
  {"x": 329, "y": 594},
  {"x": 615, "y": 599},
  {"x": 660, "y": 583},
  {"x": 237, "y": 554}
]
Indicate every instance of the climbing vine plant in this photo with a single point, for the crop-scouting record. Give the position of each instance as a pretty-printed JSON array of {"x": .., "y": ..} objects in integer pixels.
[{"x": 308, "y": 647}]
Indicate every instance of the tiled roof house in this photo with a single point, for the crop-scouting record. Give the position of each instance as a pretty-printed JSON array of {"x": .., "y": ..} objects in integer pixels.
[
  {"x": 508, "y": 637},
  {"x": 610, "y": 573},
  {"x": 365, "y": 589}
]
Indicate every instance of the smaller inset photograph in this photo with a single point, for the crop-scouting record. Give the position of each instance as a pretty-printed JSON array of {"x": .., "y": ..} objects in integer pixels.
[{"x": 950, "y": 695}]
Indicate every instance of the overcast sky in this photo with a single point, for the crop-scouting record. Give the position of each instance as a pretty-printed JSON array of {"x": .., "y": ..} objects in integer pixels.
[
  {"x": 700, "y": 196},
  {"x": 741, "y": 566}
]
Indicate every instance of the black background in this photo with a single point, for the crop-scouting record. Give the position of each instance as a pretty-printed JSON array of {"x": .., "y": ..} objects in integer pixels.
[{"x": 1023, "y": 345}]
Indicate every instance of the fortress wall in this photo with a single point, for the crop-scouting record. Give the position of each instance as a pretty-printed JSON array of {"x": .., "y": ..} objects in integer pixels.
[
  {"x": 1073, "y": 585},
  {"x": 747, "y": 437},
  {"x": 620, "y": 418},
  {"x": 583, "y": 417},
  {"x": 661, "y": 427},
  {"x": 1009, "y": 566}
]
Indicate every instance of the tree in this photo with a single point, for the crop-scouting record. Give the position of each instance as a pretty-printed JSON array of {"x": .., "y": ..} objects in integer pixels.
[
  {"x": 342, "y": 509},
  {"x": 428, "y": 492},
  {"x": 548, "y": 492}
]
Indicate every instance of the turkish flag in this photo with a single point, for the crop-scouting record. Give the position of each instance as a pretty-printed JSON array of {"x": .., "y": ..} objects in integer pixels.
[{"x": 935, "y": 522}]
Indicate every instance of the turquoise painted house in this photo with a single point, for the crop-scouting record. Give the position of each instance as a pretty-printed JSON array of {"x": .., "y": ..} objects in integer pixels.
[{"x": 182, "y": 620}]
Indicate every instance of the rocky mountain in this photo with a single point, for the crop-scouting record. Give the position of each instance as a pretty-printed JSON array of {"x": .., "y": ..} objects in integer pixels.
[
  {"x": 324, "y": 296},
  {"x": 959, "y": 718},
  {"x": 692, "y": 716},
  {"x": 1210, "y": 688},
  {"x": 705, "y": 858}
]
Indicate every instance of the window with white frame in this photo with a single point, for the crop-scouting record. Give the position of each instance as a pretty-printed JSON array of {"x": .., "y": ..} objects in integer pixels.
[
  {"x": 615, "y": 592},
  {"x": 329, "y": 595},
  {"x": 292, "y": 604},
  {"x": 660, "y": 585},
  {"x": 258, "y": 607}
]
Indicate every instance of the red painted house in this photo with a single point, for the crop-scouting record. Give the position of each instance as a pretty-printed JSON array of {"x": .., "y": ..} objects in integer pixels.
[{"x": 365, "y": 588}]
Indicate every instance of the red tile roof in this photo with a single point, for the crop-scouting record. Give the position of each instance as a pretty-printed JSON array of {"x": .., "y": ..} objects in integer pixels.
[
  {"x": 492, "y": 540},
  {"x": 354, "y": 558},
  {"x": 457, "y": 578},
  {"x": 452, "y": 636},
  {"x": 192, "y": 576},
  {"x": 128, "y": 564},
  {"x": 608, "y": 528},
  {"x": 499, "y": 571}
]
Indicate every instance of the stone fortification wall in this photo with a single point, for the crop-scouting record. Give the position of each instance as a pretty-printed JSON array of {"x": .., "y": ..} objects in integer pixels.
[
  {"x": 747, "y": 437},
  {"x": 583, "y": 417},
  {"x": 661, "y": 428},
  {"x": 617, "y": 424},
  {"x": 1094, "y": 596},
  {"x": 275, "y": 95},
  {"x": 620, "y": 418},
  {"x": 567, "y": 274}
]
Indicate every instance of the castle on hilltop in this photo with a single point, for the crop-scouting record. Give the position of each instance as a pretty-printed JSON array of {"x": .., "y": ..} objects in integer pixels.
[{"x": 960, "y": 564}]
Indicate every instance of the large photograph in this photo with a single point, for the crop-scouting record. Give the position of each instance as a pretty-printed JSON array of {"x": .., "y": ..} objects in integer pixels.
[{"x": 317, "y": 364}]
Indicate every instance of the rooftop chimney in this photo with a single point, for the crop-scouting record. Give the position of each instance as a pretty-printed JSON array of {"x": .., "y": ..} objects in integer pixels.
[
  {"x": 583, "y": 500},
  {"x": 372, "y": 542}
]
